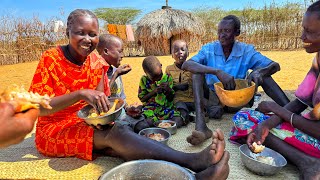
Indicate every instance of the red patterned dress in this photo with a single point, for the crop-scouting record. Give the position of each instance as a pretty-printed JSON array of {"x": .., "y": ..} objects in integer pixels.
[{"x": 63, "y": 134}]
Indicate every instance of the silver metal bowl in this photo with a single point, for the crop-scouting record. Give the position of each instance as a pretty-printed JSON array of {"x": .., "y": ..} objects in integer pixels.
[
  {"x": 260, "y": 168},
  {"x": 102, "y": 120},
  {"x": 148, "y": 169},
  {"x": 172, "y": 130},
  {"x": 163, "y": 132}
]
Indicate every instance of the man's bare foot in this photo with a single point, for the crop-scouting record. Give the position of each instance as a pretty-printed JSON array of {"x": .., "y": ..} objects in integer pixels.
[
  {"x": 218, "y": 145},
  {"x": 212, "y": 154},
  {"x": 217, "y": 171},
  {"x": 198, "y": 137}
]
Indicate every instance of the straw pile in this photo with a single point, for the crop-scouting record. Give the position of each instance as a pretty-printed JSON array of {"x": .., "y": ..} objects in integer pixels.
[{"x": 157, "y": 30}]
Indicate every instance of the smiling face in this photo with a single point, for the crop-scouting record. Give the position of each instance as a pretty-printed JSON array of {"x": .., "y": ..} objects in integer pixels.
[
  {"x": 227, "y": 33},
  {"x": 113, "y": 54},
  {"x": 311, "y": 32},
  {"x": 83, "y": 36},
  {"x": 179, "y": 52}
]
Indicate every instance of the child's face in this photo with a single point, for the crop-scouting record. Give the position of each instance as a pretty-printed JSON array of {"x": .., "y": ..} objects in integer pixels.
[
  {"x": 114, "y": 54},
  {"x": 156, "y": 73},
  {"x": 83, "y": 36},
  {"x": 180, "y": 52}
]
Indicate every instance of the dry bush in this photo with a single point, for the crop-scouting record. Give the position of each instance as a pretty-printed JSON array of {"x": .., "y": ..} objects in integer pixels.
[{"x": 24, "y": 40}]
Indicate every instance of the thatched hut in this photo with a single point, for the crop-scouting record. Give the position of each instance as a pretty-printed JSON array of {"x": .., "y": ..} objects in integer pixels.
[{"x": 159, "y": 29}]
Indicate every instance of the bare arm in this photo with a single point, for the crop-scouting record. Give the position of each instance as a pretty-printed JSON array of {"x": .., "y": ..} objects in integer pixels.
[
  {"x": 113, "y": 78},
  {"x": 61, "y": 102},
  {"x": 260, "y": 133},
  {"x": 96, "y": 98},
  {"x": 195, "y": 67},
  {"x": 257, "y": 75},
  {"x": 281, "y": 113},
  {"x": 121, "y": 70},
  {"x": 270, "y": 69},
  {"x": 284, "y": 114},
  {"x": 226, "y": 79}
]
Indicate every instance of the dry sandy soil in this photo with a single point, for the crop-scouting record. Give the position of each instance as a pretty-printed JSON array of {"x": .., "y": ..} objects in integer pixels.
[{"x": 294, "y": 66}]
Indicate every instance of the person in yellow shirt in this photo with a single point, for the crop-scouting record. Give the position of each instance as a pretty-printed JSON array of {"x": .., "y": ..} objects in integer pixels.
[{"x": 182, "y": 80}]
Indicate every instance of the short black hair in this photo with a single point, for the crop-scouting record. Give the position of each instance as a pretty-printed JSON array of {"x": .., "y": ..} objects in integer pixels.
[
  {"x": 315, "y": 8},
  {"x": 106, "y": 41},
  {"x": 78, "y": 13},
  {"x": 149, "y": 63},
  {"x": 235, "y": 19}
]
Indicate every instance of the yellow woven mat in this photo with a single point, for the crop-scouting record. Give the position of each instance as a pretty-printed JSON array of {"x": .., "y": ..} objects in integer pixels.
[{"x": 23, "y": 161}]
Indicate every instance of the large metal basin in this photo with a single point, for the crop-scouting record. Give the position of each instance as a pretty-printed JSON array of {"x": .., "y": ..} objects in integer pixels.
[{"x": 148, "y": 169}]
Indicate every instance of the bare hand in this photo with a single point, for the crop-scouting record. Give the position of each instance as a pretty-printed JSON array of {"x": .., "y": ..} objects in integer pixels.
[
  {"x": 227, "y": 80},
  {"x": 14, "y": 127},
  {"x": 258, "y": 135},
  {"x": 124, "y": 69},
  {"x": 133, "y": 111},
  {"x": 166, "y": 88},
  {"x": 267, "y": 106},
  {"x": 158, "y": 90},
  {"x": 97, "y": 99},
  {"x": 256, "y": 77}
]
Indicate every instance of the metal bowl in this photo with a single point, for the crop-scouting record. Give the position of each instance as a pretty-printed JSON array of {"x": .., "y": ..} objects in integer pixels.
[
  {"x": 172, "y": 130},
  {"x": 260, "y": 168},
  {"x": 163, "y": 132},
  {"x": 148, "y": 169},
  {"x": 102, "y": 120}
]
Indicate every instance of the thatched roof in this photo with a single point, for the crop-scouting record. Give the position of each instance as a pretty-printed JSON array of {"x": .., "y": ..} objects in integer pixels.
[{"x": 169, "y": 22}]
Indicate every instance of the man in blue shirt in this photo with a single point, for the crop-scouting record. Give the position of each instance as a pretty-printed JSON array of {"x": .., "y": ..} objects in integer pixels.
[{"x": 226, "y": 60}]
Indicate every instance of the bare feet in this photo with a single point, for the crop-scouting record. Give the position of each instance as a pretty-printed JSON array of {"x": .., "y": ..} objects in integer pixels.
[
  {"x": 212, "y": 154},
  {"x": 201, "y": 133},
  {"x": 199, "y": 136},
  {"x": 217, "y": 171}
]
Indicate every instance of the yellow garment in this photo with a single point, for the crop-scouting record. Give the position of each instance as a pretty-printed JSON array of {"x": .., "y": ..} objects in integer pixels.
[
  {"x": 112, "y": 29},
  {"x": 121, "y": 32},
  {"x": 179, "y": 76}
]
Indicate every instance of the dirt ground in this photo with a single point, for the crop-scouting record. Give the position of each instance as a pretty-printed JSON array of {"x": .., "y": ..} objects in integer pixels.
[{"x": 294, "y": 66}]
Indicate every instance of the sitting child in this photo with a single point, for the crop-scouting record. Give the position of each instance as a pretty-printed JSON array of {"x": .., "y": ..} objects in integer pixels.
[
  {"x": 110, "y": 47},
  {"x": 182, "y": 80},
  {"x": 156, "y": 93}
]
